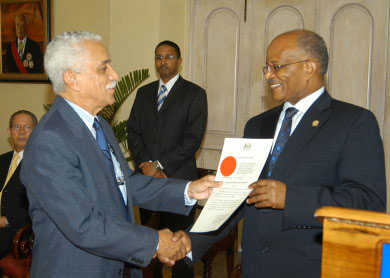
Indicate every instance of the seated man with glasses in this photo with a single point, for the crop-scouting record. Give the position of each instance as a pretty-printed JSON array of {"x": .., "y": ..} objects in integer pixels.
[{"x": 13, "y": 198}]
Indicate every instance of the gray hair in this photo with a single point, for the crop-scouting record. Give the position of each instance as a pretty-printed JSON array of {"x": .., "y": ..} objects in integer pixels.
[
  {"x": 314, "y": 45},
  {"x": 65, "y": 52}
]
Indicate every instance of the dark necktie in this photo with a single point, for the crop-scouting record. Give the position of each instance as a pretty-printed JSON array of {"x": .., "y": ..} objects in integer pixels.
[
  {"x": 103, "y": 145},
  {"x": 161, "y": 97},
  {"x": 283, "y": 136}
]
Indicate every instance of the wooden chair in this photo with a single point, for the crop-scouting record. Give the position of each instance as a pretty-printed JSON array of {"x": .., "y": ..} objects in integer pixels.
[
  {"x": 352, "y": 242},
  {"x": 226, "y": 244},
  {"x": 17, "y": 263}
]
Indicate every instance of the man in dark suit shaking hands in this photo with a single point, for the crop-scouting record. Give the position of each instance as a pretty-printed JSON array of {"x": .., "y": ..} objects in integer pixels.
[
  {"x": 13, "y": 198},
  {"x": 166, "y": 127},
  {"x": 80, "y": 187},
  {"x": 325, "y": 153}
]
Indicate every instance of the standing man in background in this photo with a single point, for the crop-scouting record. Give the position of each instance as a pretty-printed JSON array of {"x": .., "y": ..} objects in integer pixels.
[
  {"x": 166, "y": 127},
  {"x": 13, "y": 198}
]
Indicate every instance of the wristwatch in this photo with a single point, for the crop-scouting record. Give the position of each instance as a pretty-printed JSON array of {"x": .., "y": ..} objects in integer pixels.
[{"x": 156, "y": 165}]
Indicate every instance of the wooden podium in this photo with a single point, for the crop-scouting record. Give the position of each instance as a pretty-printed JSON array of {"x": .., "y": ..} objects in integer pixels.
[{"x": 353, "y": 242}]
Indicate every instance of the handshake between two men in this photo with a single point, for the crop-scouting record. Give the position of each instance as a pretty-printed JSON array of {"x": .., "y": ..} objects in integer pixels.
[{"x": 175, "y": 246}]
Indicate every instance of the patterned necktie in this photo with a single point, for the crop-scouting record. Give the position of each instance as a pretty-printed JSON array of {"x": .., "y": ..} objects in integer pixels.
[
  {"x": 20, "y": 48},
  {"x": 283, "y": 136},
  {"x": 161, "y": 97}
]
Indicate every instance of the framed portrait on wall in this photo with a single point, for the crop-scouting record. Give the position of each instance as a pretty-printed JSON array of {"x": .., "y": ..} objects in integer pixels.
[{"x": 25, "y": 33}]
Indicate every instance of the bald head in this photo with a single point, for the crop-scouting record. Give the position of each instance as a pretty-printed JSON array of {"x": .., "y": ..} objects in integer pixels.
[
  {"x": 310, "y": 44},
  {"x": 296, "y": 64}
]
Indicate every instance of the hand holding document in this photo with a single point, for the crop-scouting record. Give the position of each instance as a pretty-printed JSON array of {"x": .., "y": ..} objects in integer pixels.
[{"x": 241, "y": 163}]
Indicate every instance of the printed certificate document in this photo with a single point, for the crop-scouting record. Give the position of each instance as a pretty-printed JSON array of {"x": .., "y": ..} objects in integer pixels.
[{"x": 241, "y": 163}]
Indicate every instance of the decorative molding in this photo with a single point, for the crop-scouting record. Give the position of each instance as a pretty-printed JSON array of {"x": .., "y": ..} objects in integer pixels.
[
  {"x": 335, "y": 16},
  {"x": 212, "y": 14}
]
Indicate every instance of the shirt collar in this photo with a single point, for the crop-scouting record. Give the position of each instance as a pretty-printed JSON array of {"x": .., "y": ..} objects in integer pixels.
[
  {"x": 304, "y": 104},
  {"x": 87, "y": 117},
  {"x": 20, "y": 154},
  {"x": 169, "y": 84},
  {"x": 23, "y": 40}
]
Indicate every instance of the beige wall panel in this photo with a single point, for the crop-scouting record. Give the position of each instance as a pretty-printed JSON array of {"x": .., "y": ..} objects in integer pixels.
[
  {"x": 350, "y": 66},
  {"x": 365, "y": 35},
  {"x": 222, "y": 40},
  {"x": 210, "y": 158},
  {"x": 220, "y": 62}
]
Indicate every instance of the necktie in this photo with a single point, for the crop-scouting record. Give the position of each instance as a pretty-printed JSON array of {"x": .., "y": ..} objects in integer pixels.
[
  {"x": 283, "y": 136},
  {"x": 20, "y": 48},
  {"x": 161, "y": 97},
  {"x": 103, "y": 145},
  {"x": 14, "y": 165}
]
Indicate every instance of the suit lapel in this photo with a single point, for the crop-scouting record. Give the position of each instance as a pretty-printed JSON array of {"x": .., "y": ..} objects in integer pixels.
[
  {"x": 111, "y": 140},
  {"x": 4, "y": 166},
  {"x": 171, "y": 96},
  {"x": 153, "y": 95},
  {"x": 269, "y": 124},
  {"x": 305, "y": 130}
]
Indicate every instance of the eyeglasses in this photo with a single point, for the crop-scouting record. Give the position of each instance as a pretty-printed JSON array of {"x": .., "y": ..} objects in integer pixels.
[
  {"x": 166, "y": 57},
  {"x": 26, "y": 128},
  {"x": 275, "y": 68}
]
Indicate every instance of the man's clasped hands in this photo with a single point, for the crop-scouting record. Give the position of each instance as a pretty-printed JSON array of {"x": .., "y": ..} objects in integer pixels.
[{"x": 172, "y": 246}]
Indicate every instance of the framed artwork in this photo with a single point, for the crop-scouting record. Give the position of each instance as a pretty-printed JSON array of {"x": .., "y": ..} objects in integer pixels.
[{"x": 25, "y": 33}]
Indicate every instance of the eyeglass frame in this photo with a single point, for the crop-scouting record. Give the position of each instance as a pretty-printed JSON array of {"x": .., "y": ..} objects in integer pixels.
[
  {"x": 267, "y": 68},
  {"x": 166, "y": 57},
  {"x": 26, "y": 128}
]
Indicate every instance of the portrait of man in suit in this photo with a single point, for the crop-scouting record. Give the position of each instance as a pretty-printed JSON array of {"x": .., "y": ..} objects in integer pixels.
[
  {"x": 325, "y": 153},
  {"x": 23, "y": 55},
  {"x": 13, "y": 198},
  {"x": 165, "y": 129},
  {"x": 80, "y": 187}
]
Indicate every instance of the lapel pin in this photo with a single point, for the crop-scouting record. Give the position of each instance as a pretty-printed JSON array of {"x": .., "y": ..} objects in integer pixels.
[{"x": 315, "y": 123}]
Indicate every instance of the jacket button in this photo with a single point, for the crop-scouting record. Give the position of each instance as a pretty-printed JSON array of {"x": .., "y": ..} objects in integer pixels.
[{"x": 264, "y": 249}]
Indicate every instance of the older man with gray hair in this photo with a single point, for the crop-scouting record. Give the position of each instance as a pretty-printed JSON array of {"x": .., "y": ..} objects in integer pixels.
[{"x": 79, "y": 185}]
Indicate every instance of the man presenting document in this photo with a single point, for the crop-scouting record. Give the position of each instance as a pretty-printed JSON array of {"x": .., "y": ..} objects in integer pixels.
[{"x": 325, "y": 153}]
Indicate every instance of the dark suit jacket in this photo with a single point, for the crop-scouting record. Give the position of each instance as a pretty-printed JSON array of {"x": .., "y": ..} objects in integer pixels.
[
  {"x": 173, "y": 134},
  {"x": 14, "y": 203},
  {"x": 32, "y": 52},
  {"x": 339, "y": 162},
  {"x": 82, "y": 228}
]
